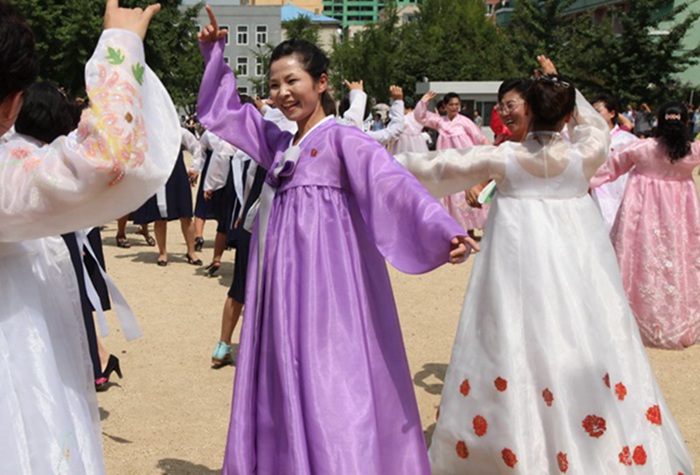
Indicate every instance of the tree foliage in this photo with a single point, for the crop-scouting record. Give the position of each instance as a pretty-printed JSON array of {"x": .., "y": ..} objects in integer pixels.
[
  {"x": 302, "y": 28},
  {"x": 67, "y": 32}
]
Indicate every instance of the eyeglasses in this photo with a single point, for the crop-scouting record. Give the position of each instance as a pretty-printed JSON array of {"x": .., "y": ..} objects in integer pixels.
[{"x": 509, "y": 107}]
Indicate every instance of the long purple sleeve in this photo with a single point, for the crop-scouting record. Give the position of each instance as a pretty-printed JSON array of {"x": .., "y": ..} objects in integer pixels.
[
  {"x": 220, "y": 111},
  {"x": 410, "y": 228}
]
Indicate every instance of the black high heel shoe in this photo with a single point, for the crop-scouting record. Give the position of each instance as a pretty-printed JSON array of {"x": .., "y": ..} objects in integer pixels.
[
  {"x": 194, "y": 262},
  {"x": 112, "y": 366}
]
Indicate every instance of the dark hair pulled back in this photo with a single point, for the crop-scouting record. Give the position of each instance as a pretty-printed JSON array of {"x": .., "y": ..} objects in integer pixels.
[
  {"x": 519, "y": 85},
  {"x": 19, "y": 64},
  {"x": 610, "y": 104},
  {"x": 312, "y": 59},
  {"x": 672, "y": 130},
  {"x": 46, "y": 113},
  {"x": 550, "y": 98}
]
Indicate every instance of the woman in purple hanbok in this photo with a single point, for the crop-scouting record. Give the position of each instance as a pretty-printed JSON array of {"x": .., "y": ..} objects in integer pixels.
[{"x": 322, "y": 384}]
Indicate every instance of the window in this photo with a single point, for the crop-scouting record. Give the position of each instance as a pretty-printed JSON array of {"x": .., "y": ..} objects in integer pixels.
[
  {"x": 259, "y": 67},
  {"x": 260, "y": 35},
  {"x": 489, "y": 8},
  {"x": 226, "y": 60},
  {"x": 241, "y": 66},
  {"x": 227, "y": 28},
  {"x": 242, "y": 35},
  {"x": 243, "y": 89}
]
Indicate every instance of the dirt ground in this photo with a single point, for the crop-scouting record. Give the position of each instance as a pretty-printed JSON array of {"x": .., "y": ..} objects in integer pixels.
[{"x": 170, "y": 413}]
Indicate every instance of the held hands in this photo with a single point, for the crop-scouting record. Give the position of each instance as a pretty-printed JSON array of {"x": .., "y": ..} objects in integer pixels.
[
  {"x": 192, "y": 175},
  {"x": 211, "y": 33},
  {"x": 460, "y": 247},
  {"x": 355, "y": 85},
  {"x": 396, "y": 93},
  {"x": 131, "y": 19},
  {"x": 428, "y": 96}
]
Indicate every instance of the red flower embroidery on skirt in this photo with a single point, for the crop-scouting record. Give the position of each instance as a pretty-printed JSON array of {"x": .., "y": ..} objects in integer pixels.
[
  {"x": 501, "y": 384},
  {"x": 509, "y": 457},
  {"x": 621, "y": 391},
  {"x": 480, "y": 426},
  {"x": 625, "y": 456},
  {"x": 563, "y": 462},
  {"x": 640, "y": 455},
  {"x": 462, "y": 451},
  {"x": 654, "y": 415},
  {"x": 594, "y": 425},
  {"x": 464, "y": 388},
  {"x": 548, "y": 397},
  {"x": 606, "y": 379}
]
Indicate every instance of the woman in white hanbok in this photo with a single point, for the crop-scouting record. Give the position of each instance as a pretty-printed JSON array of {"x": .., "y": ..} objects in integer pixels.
[
  {"x": 548, "y": 373},
  {"x": 121, "y": 153}
]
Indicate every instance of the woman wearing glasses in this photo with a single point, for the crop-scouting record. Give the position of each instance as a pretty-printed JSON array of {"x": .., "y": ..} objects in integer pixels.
[{"x": 548, "y": 373}]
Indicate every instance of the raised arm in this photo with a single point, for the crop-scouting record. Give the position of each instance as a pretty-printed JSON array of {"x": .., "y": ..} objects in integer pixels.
[
  {"x": 220, "y": 110},
  {"x": 358, "y": 102},
  {"x": 396, "y": 119},
  {"x": 123, "y": 151},
  {"x": 423, "y": 115}
]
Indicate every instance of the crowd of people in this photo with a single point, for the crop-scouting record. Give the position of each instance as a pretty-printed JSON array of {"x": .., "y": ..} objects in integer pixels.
[{"x": 590, "y": 250}]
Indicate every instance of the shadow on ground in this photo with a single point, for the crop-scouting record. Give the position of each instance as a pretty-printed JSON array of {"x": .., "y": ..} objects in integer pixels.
[
  {"x": 183, "y": 467},
  {"x": 422, "y": 378}
]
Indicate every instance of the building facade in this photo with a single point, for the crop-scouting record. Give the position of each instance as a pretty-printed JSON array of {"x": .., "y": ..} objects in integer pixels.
[
  {"x": 250, "y": 29},
  {"x": 358, "y": 12}
]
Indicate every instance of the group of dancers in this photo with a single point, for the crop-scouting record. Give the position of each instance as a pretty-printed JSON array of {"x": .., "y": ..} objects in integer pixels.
[{"x": 548, "y": 372}]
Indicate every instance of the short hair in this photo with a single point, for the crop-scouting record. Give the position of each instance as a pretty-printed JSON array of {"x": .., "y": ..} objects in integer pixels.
[
  {"x": 19, "y": 64},
  {"x": 610, "y": 103},
  {"x": 449, "y": 96},
  {"x": 550, "y": 98},
  {"x": 46, "y": 113},
  {"x": 519, "y": 85}
]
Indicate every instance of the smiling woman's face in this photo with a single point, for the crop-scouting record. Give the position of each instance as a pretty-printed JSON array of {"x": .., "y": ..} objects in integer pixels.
[{"x": 515, "y": 114}]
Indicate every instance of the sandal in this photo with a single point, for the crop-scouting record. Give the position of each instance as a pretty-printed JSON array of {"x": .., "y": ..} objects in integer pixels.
[
  {"x": 149, "y": 239},
  {"x": 213, "y": 268},
  {"x": 221, "y": 356},
  {"x": 123, "y": 242}
]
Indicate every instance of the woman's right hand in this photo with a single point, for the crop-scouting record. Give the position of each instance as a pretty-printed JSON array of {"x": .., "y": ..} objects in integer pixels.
[
  {"x": 211, "y": 33},
  {"x": 428, "y": 96},
  {"x": 132, "y": 19}
]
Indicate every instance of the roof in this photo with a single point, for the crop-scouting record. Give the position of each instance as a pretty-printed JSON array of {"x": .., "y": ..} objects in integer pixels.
[{"x": 291, "y": 12}]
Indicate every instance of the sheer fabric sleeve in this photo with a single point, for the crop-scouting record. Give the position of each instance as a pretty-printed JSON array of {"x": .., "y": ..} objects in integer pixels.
[
  {"x": 425, "y": 117},
  {"x": 617, "y": 164},
  {"x": 446, "y": 172},
  {"x": 358, "y": 103},
  {"x": 123, "y": 150},
  {"x": 410, "y": 228},
  {"x": 220, "y": 110},
  {"x": 590, "y": 135},
  {"x": 395, "y": 127}
]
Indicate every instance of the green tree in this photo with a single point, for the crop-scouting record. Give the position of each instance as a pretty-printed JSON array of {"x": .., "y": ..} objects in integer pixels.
[
  {"x": 302, "y": 28},
  {"x": 67, "y": 31}
]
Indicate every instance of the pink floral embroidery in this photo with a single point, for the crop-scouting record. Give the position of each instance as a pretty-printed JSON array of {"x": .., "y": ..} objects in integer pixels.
[
  {"x": 19, "y": 153},
  {"x": 462, "y": 451},
  {"x": 594, "y": 425},
  {"x": 480, "y": 426},
  {"x": 509, "y": 457},
  {"x": 563, "y": 462}
]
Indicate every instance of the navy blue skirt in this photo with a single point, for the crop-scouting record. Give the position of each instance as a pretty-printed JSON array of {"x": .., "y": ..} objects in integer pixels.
[
  {"x": 178, "y": 196},
  {"x": 203, "y": 209}
]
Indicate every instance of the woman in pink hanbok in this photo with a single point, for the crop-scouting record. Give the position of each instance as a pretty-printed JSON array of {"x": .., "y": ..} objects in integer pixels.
[
  {"x": 456, "y": 131},
  {"x": 657, "y": 231},
  {"x": 412, "y": 139}
]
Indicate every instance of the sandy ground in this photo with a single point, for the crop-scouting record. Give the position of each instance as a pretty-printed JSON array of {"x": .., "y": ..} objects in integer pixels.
[{"x": 170, "y": 413}]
